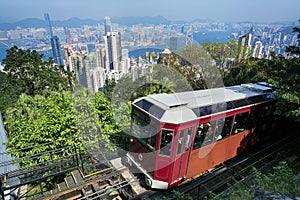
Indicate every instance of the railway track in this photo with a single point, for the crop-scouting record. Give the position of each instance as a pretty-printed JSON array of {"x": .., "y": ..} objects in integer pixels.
[
  {"x": 221, "y": 179},
  {"x": 107, "y": 184},
  {"x": 105, "y": 180},
  {"x": 110, "y": 182}
]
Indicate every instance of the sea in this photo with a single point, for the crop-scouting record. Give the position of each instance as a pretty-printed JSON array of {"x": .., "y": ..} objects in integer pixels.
[
  {"x": 212, "y": 36},
  {"x": 4, "y": 45},
  {"x": 199, "y": 38},
  {"x": 3, "y": 48}
]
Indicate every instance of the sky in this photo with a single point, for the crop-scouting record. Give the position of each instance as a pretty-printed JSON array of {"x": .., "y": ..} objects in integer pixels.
[{"x": 219, "y": 10}]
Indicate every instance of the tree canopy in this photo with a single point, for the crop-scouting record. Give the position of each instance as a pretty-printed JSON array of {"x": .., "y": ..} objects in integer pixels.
[
  {"x": 25, "y": 71},
  {"x": 36, "y": 120},
  {"x": 283, "y": 74},
  {"x": 295, "y": 49}
]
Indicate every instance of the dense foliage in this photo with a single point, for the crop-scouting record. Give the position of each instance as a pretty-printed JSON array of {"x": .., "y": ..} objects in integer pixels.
[
  {"x": 46, "y": 117},
  {"x": 283, "y": 73},
  {"x": 60, "y": 116},
  {"x": 25, "y": 71},
  {"x": 281, "y": 183},
  {"x": 36, "y": 120},
  {"x": 295, "y": 49}
]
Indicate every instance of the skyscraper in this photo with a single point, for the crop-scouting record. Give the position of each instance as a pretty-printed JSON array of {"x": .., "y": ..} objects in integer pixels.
[
  {"x": 48, "y": 24},
  {"x": 173, "y": 43},
  {"x": 107, "y": 25},
  {"x": 113, "y": 51},
  {"x": 54, "y": 41},
  {"x": 258, "y": 50},
  {"x": 245, "y": 45},
  {"x": 55, "y": 44},
  {"x": 189, "y": 39}
]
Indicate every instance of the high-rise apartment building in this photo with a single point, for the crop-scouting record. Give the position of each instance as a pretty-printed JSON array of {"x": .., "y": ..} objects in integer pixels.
[
  {"x": 245, "y": 44},
  {"x": 258, "y": 50},
  {"x": 100, "y": 57},
  {"x": 78, "y": 62},
  {"x": 173, "y": 43},
  {"x": 189, "y": 39},
  {"x": 88, "y": 68}
]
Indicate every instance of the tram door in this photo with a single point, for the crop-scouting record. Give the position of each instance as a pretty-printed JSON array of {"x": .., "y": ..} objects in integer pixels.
[{"x": 183, "y": 146}]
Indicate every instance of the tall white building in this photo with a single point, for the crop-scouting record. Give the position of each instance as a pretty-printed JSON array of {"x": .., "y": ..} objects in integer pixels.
[
  {"x": 113, "y": 52},
  {"x": 100, "y": 57},
  {"x": 97, "y": 76},
  {"x": 245, "y": 42},
  {"x": 125, "y": 62},
  {"x": 258, "y": 50},
  {"x": 107, "y": 25}
]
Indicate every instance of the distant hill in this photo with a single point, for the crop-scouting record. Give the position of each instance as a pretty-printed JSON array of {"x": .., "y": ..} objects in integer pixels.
[
  {"x": 202, "y": 20},
  {"x": 156, "y": 20},
  {"x": 8, "y": 24},
  {"x": 26, "y": 23},
  {"x": 39, "y": 23},
  {"x": 76, "y": 22}
]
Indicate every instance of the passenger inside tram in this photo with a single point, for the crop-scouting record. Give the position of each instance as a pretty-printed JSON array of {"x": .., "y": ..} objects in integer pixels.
[{"x": 202, "y": 136}]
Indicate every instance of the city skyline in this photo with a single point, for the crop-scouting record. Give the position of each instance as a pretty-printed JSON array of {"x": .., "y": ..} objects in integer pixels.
[{"x": 229, "y": 10}]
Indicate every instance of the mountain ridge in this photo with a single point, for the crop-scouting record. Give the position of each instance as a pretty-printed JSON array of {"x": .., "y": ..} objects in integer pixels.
[{"x": 77, "y": 22}]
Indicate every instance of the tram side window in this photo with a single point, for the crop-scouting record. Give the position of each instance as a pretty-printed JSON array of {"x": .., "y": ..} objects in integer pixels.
[
  {"x": 204, "y": 135},
  {"x": 166, "y": 142},
  {"x": 223, "y": 128},
  {"x": 267, "y": 113},
  {"x": 254, "y": 118},
  {"x": 240, "y": 122}
]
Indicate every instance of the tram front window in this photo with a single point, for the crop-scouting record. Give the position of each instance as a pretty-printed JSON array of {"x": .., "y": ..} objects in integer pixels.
[{"x": 144, "y": 129}]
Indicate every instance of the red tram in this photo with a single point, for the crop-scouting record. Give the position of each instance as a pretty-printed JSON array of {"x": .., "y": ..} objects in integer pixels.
[{"x": 182, "y": 135}]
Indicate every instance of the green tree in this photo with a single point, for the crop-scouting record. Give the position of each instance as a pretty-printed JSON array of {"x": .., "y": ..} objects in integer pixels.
[
  {"x": 225, "y": 55},
  {"x": 198, "y": 67},
  {"x": 64, "y": 119},
  {"x": 109, "y": 87},
  {"x": 295, "y": 49},
  {"x": 26, "y": 72},
  {"x": 51, "y": 130},
  {"x": 281, "y": 179},
  {"x": 283, "y": 73},
  {"x": 113, "y": 121},
  {"x": 36, "y": 120},
  {"x": 104, "y": 114}
]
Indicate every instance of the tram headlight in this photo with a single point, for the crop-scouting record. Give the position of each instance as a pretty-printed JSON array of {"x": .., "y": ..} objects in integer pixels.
[
  {"x": 140, "y": 157},
  {"x": 128, "y": 161},
  {"x": 148, "y": 181}
]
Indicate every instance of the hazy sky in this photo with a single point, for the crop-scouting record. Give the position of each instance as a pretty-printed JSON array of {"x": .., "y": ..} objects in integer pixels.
[{"x": 220, "y": 10}]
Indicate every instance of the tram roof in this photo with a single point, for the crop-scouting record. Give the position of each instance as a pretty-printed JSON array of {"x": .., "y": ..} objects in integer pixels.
[{"x": 168, "y": 104}]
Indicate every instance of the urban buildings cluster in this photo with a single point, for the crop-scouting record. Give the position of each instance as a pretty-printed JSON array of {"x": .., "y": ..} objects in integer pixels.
[{"x": 103, "y": 51}]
